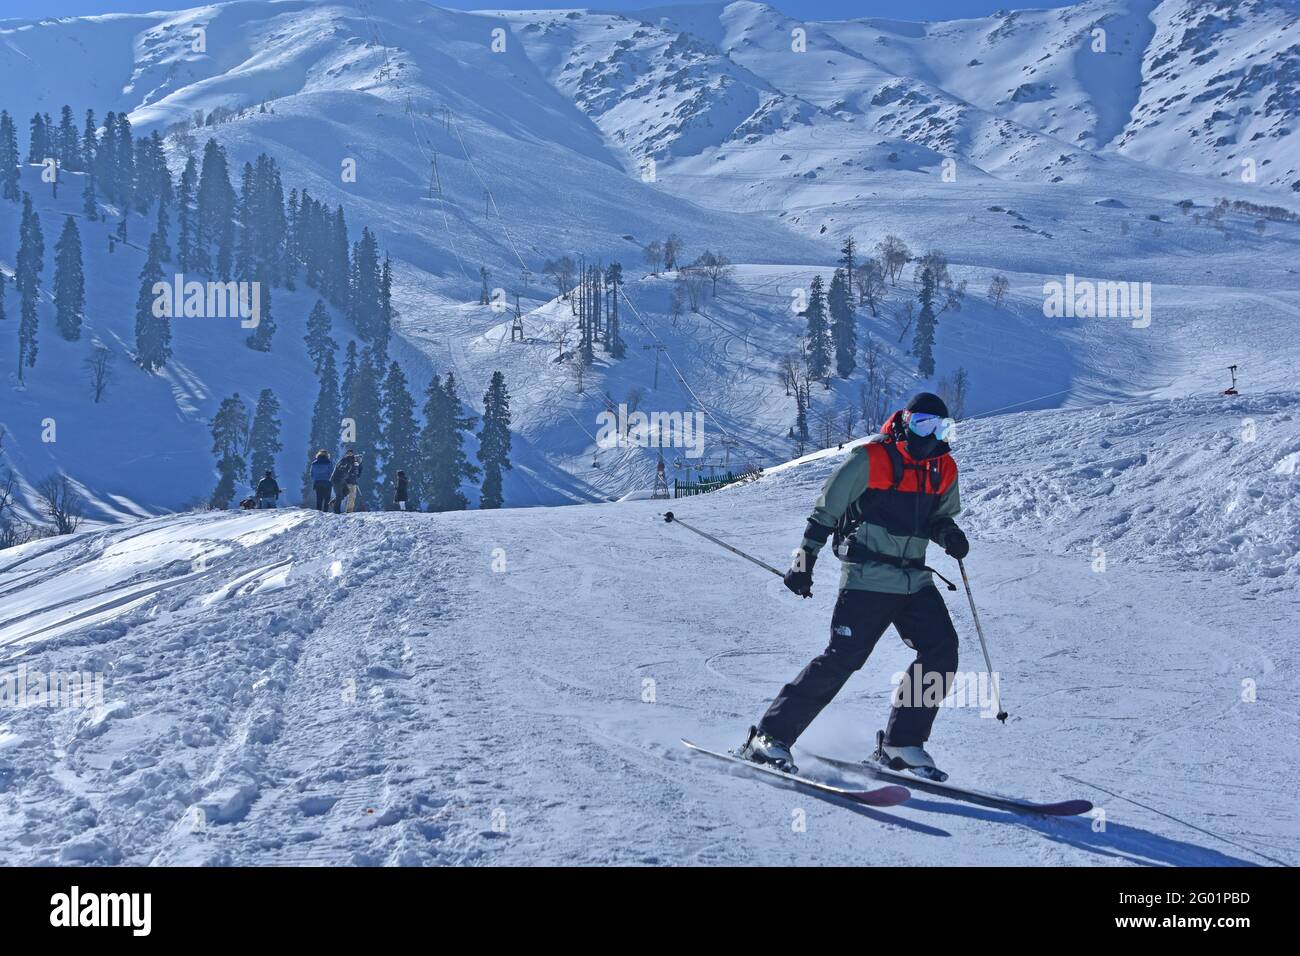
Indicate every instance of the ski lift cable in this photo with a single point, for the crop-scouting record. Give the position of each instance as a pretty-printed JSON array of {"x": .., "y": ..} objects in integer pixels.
[
  {"x": 668, "y": 355},
  {"x": 491, "y": 198}
]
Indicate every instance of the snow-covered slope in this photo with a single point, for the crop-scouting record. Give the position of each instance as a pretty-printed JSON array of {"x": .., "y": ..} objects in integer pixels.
[
  {"x": 1008, "y": 142},
  {"x": 509, "y": 687}
]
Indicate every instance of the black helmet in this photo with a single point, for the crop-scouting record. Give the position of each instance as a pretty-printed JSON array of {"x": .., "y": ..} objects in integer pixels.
[{"x": 928, "y": 403}]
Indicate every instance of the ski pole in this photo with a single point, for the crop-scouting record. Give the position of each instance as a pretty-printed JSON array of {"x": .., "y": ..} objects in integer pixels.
[
  {"x": 993, "y": 677},
  {"x": 670, "y": 518}
]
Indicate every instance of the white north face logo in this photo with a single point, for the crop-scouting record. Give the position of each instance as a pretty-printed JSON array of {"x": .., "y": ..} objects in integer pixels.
[{"x": 844, "y": 630}]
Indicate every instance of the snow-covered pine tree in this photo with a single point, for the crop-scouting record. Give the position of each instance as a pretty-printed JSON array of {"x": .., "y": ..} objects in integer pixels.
[
  {"x": 89, "y": 142},
  {"x": 401, "y": 445},
  {"x": 153, "y": 333},
  {"x": 494, "y": 441},
  {"x": 819, "y": 344},
  {"x": 319, "y": 341},
  {"x": 260, "y": 339},
  {"x": 9, "y": 159},
  {"x": 89, "y": 201},
  {"x": 28, "y": 265},
  {"x": 69, "y": 282},
  {"x": 161, "y": 230},
  {"x": 363, "y": 407},
  {"x": 923, "y": 340},
  {"x": 69, "y": 151},
  {"x": 264, "y": 437},
  {"x": 215, "y": 206},
  {"x": 843, "y": 323},
  {"x": 229, "y": 439},
  {"x": 185, "y": 216},
  {"x": 443, "y": 464}
]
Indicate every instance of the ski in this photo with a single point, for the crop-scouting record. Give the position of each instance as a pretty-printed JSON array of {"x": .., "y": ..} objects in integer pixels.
[
  {"x": 887, "y": 796},
  {"x": 1064, "y": 808}
]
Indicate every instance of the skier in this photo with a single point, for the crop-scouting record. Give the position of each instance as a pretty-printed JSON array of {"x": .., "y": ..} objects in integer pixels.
[
  {"x": 321, "y": 469},
  {"x": 401, "y": 497},
  {"x": 267, "y": 490},
  {"x": 890, "y": 497}
]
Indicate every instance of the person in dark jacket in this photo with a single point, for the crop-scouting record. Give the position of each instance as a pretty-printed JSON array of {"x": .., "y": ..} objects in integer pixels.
[
  {"x": 345, "y": 479},
  {"x": 321, "y": 469},
  {"x": 267, "y": 490},
  {"x": 401, "y": 497}
]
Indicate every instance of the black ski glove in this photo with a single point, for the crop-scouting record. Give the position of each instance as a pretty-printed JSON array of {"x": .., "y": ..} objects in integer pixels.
[
  {"x": 956, "y": 545},
  {"x": 799, "y": 578}
]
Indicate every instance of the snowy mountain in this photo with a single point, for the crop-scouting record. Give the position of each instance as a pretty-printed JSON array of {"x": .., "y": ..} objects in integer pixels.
[{"x": 1025, "y": 143}]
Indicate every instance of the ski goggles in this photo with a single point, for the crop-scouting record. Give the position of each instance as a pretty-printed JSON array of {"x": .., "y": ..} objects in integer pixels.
[{"x": 923, "y": 423}]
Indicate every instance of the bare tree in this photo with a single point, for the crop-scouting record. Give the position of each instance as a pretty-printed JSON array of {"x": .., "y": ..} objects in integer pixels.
[
  {"x": 716, "y": 267},
  {"x": 948, "y": 293},
  {"x": 873, "y": 394},
  {"x": 692, "y": 282},
  {"x": 672, "y": 251},
  {"x": 954, "y": 389},
  {"x": 560, "y": 271},
  {"x": 677, "y": 304},
  {"x": 654, "y": 256},
  {"x": 786, "y": 368},
  {"x": 870, "y": 281},
  {"x": 61, "y": 503},
  {"x": 998, "y": 289},
  {"x": 894, "y": 254},
  {"x": 635, "y": 396},
  {"x": 99, "y": 368},
  {"x": 904, "y": 316}
]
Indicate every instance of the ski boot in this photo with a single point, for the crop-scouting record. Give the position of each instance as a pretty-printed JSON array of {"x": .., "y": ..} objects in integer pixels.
[
  {"x": 760, "y": 748},
  {"x": 913, "y": 760}
]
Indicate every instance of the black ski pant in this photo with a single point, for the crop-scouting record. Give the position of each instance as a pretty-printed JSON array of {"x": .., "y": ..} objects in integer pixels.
[
  {"x": 860, "y": 618},
  {"x": 323, "y": 489}
]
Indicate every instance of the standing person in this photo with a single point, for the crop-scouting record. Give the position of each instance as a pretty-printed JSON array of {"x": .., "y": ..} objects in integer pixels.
[
  {"x": 344, "y": 479},
  {"x": 267, "y": 490},
  {"x": 892, "y": 496},
  {"x": 355, "y": 501},
  {"x": 401, "y": 496},
  {"x": 321, "y": 469}
]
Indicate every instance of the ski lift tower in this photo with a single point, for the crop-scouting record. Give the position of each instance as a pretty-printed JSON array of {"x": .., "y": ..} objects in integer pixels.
[
  {"x": 1232, "y": 369},
  {"x": 517, "y": 326}
]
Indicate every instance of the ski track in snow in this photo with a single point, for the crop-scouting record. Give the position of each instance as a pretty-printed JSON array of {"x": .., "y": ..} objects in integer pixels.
[{"x": 419, "y": 702}]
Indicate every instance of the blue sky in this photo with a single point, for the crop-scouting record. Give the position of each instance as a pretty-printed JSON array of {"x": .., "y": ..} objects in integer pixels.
[{"x": 814, "y": 9}]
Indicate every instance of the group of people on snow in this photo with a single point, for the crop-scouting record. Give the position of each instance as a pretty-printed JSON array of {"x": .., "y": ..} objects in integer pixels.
[{"x": 337, "y": 485}]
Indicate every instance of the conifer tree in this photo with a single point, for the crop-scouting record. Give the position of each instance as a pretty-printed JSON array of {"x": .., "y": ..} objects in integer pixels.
[
  {"x": 89, "y": 201},
  {"x": 364, "y": 407},
  {"x": 9, "y": 159},
  {"x": 401, "y": 447},
  {"x": 819, "y": 345},
  {"x": 69, "y": 151},
  {"x": 843, "y": 322},
  {"x": 443, "y": 464},
  {"x": 153, "y": 333},
  {"x": 229, "y": 439},
  {"x": 494, "y": 441},
  {"x": 29, "y": 264},
  {"x": 923, "y": 340},
  {"x": 69, "y": 282},
  {"x": 187, "y": 236},
  {"x": 319, "y": 341},
  {"x": 215, "y": 206},
  {"x": 260, "y": 339},
  {"x": 264, "y": 437},
  {"x": 89, "y": 142}
]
